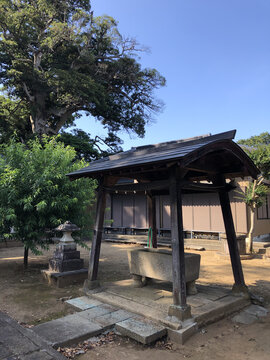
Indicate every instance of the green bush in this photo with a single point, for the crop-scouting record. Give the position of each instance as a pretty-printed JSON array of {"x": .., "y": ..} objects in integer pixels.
[{"x": 35, "y": 193}]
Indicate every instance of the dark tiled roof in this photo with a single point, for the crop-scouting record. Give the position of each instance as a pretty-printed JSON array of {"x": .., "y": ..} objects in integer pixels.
[{"x": 152, "y": 153}]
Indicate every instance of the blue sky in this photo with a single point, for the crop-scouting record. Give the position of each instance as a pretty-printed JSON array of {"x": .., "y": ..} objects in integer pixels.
[{"x": 215, "y": 56}]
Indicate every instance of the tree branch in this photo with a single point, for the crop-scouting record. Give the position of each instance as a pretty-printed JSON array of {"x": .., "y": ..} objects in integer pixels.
[{"x": 30, "y": 97}]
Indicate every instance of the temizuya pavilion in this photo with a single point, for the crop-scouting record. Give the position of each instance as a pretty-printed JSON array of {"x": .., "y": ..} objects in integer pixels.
[{"x": 201, "y": 164}]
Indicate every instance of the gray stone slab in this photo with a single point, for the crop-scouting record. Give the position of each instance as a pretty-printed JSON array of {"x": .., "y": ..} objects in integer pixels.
[
  {"x": 83, "y": 303},
  {"x": 37, "y": 355},
  {"x": 96, "y": 311},
  {"x": 256, "y": 310},
  {"x": 68, "y": 330},
  {"x": 4, "y": 351},
  {"x": 244, "y": 318},
  {"x": 20, "y": 343},
  {"x": 17, "y": 343},
  {"x": 142, "y": 332},
  {"x": 108, "y": 320}
]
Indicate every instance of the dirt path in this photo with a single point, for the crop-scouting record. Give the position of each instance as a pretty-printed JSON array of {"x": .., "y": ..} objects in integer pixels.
[{"x": 28, "y": 299}]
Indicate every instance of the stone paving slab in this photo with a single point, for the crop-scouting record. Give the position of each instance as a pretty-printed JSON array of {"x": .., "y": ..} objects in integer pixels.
[
  {"x": 108, "y": 320},
  {"x": 18, "y": 343},
  {"x": 141, "y": 331},
  {"x": 250, "y": 315},
  {"x": 244, "y": 318},
  {"x": 68, "y": 330},
  {"x": 96, "y": 311},
  {"x": 83, "y": 303},
  {"x": 257, "y": 310}
]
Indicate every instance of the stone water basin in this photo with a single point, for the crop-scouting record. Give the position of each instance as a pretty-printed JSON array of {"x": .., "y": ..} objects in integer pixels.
[{"x": 149, "y": 263}]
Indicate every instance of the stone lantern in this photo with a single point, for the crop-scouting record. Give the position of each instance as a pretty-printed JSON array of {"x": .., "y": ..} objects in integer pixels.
[{"x": 66, "y": 256}]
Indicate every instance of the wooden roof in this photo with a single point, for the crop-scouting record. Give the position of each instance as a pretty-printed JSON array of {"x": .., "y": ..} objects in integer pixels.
[{"x": 207, "y": 154}]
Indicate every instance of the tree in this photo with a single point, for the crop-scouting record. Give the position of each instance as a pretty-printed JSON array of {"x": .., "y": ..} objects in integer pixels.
[
  {"x": 254, "y": 197},
  {"x": 35, "y": 193},
  {"x": 88, "y": 148},
  {"x": 59, "y": 61},
  {"x": 258, "y": 148},
  {"x": 13, "y": 120}
]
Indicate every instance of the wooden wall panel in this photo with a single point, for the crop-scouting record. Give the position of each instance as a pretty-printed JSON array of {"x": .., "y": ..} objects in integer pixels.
[
  {"x": 166, "y": 212},
  {"x": 128, "y": 207},
  {"x": 187, "y": 212},
  {"x": 117, "y": 208},
  {"x": 217, "y": 223},
  {"x": 201, "y": 212},
  {"x": 140, "y": 211},
  {"x": 240, "y": 215}
]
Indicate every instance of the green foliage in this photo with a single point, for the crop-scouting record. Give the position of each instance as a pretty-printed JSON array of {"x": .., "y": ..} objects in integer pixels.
[
  {"x": 14, "y": 118},
  {"x": 258, "y": 148},
  {"x": 60, "y": 61},
  {"x": 255, "y": 195},
  {"x": 35, "y": 193},
  {"x": 90, "y": 149}
]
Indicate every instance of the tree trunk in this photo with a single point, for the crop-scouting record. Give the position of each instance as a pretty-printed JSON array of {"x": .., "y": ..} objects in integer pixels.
[
  {"x": 25, "y": 258},
  {"x": 250, "y": 233}
]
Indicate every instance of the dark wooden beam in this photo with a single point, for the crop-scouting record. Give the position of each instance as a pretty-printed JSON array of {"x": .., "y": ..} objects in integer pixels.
[
  {"x": 96, "y": 242},
  {"x": 164, "y": 184},
  {"x": 142, "y": 186},
  {"x": 151, "y": 204},
  {"x": 231, "y": 236},
  {"x": 180, "y": 307}
]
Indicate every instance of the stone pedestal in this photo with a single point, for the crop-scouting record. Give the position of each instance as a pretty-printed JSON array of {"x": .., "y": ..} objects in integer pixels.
[
  {"x": 66, "y": 266},
  {"x": 66, "y": 258}
]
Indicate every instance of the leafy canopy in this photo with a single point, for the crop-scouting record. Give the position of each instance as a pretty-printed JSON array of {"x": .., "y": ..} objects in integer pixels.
[
  {"x": 60, "y": 61},
  {"x": 258, "y": 148},
  {"x": 35, "y": 193}
]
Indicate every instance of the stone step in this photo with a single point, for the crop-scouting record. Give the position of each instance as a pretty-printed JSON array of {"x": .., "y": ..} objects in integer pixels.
[
  {"x": 68, "y": 330},
  {"x": 93, "y": 320},
  {"x": 137, "y": 308},
  {"x": 83, "y": 303},
  {"x": 141, "y": 331}
]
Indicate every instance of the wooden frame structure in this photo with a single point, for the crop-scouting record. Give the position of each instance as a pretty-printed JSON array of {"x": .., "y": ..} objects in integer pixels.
[{"x": 201, "y": 164}]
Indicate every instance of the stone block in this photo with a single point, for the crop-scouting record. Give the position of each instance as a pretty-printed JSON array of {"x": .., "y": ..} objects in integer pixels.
[
  {"x": 96, "y": 311},
  {"x": 182, "y": 335},
  {"x": 17, "y": 342},
  {"x": 37, "y": 355},
  {"x": 157, "y": 264},
  {"x": 66, "y": 246},
  {"x": 4, "y": 351},
  {"x": 109, "y": 320},
  {"x": 256, "y": 310},
  {"x": 59, "y": 265},
  {"x": 66, "y": 255},
  {"x": 244, "y": 318},
  {"x": 142, "y": 332},
  {"x": 83, "y": 303},
  {"x": 68, "y": 330},
  {"x": 62, "y": 279}
]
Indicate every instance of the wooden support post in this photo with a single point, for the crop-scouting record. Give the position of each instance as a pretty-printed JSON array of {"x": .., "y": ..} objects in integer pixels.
[
  {"x": 92, "y": 282},
  {"x": 180, "y": 309},
  {"x": 151, "y": 203},
  {"x": 239, "y": 285}
]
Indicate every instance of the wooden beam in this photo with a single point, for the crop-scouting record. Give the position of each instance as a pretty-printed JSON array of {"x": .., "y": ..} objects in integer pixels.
[
  {"x": 98, "y": 232},
  {"x": 164, "y": 184},
  {"x": 146, "y": 186},
  {"x": 180, "y": 307},
  {"x": 151, "y": 204},
  {"x": 231, "y": 236}
]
